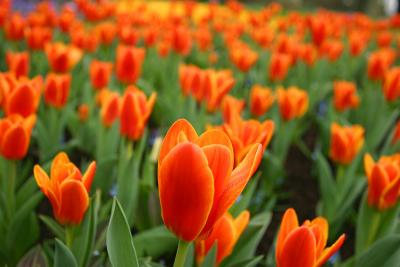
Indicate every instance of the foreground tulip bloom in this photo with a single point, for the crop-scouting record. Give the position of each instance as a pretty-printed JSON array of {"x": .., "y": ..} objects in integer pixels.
[
  {"x": 129, "y": 62},
  {"x": 243, "y": 57},
  {"x": 225, "y": 234},
  {"x": 66, "y": 188},
  {"x": 391, "y": 85},
  {"x": 100, "y": 73},
  {"x": 135, "y": 111},
  {"x": 346, "y": 142},
  {"x": 37, "y": 37},
  {"x": 18, "y": 63},
  {"x": 15, "y": 135},
  {"x": 216, "y": 85},
  {"x": 261, "y": 100},
  {"x": 196, "y": 178},
  {"x": 293, "y": 102},
  {"x": 379, "y": 62},
  {"x": 62, "y": 58},
  {"x": 383, "y": 180},
  {"x": 345, "y": 95},
  {"x": 110, "y": 109},
  {"x": 56, "y": 89},
  {"x": 305, "y": 245}
]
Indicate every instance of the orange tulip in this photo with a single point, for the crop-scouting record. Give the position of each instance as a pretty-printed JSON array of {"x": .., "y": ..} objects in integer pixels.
[
  {"x": 293, "y": 102},
  {"x": 135, "y": 111},
  {"x": 56, "y": 89},
  {"x": 391, "y": 85},
  {"x": 128, "y": 35},
  {"x": 181, "y": 40},
  {"x": 244, "y": 133},
  {"x": 279, "y": 66},
  {"x": 15, "y": 135},
  {"x": 231, "y": 106},
  {"x": 66, "y": 19},
  {"x": 379, "y": 62},
  {"x": 84, "y": 40},
  {"x": 357, "y": 43},
  {"x": 216, "y": 85},
  {"x": 100, "y": 73},
  {"x": 37, "y": 37},
  {"x": 23, "y": 97},
  {"x": 263, "y": 36},
  {"x": 319, "y": 29},
  {"x": 197, "y": 181},
  {"x": 383, "y": 180},
  {"x": 261, "y": 100},
  {"x": 384, "y": 39},
  {"x": 106, "y": 32},
  {"x": 225, "y": 234},
  {"x": 62, "y": 58},
  {"x": 345, "y": 95},
  {"x": 204, "y": 38},
  {"x": 396, "y": 134},
  {"x": 346, "y": 142},
  {"x": 304, "y": 245},
  {"x": 14, "y": 27},
  {"x": 243, "y": 57},
  {"x": 18, "y": 63},
  {"x": 192, "y": 80},
  {"x": 67, "y": 189},
  {"x": 332, "y": 49},
  {"x": 307, "y": 53},
  {"x": 129, "y": 63},
  {"x": 110, "y": 109},
  {"x": 83, "y": 112}
]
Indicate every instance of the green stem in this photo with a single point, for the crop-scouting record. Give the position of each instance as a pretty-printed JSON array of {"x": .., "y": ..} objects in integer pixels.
[
  {"x": 69, "y": 236},
  {"x": 11, "y": 187},
  {"x": 376, "y": 219},
  {"x": 181, "y": 253}
]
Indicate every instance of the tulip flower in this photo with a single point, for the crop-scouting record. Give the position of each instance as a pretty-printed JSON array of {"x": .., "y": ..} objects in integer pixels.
[
  {"x": 197, "y": 181},
  {"x": 106, "y": 32},
  {"x": 181, "y": 40},
  {"x": 62, "y": 58},
  {"x": 18, "y": 63},
  {"x": 391, "y": 85},
  {"x": 231, "y": 107},
  {"x": 279, "y": 66},
  {"x": 56, "y": 89},
  {"x": 100, "y": 73},
  {"x": 305, "y": 245},
  {"x": 192, "y": 81},
  {"x": 225, "y": 234},
  {"x": 37, "y": 37},
  {"x": 244, "y": 133},
  {"x": 332, "y": 49},
  {"x": 22, "y": 97},
  {"x": 357, "y": 43},
  {"x": 379, "y": 62},
  {"x": 383, "y": 180},
  {"x": 345, "y": 95},
  {"x": 129, "y": 62},
  {"x": 83, "y": 112},
  {"x": 84, "y": 40},
  {"x": 128, "y": 35},
  {"x": 243, "y": 57},
  {"x": 346, "y": 142},
  {"x": 66, "y": 19},
  {"x": 15, "y": 135},
  {"x": 110, "y": 109},
  {"x": 396, "y": 134},
  {"x": 384, "y": 39},
  {"x": 204, "y": 38},
  {"x": 319, "y": 29},
  {"x": 14, "y": 27},
  {"x": 66, "y": 188},
  {"x": 135, "y": 111},
  {"x": 293, "y": 102},
  {"x": 216, "y": 85},
  {"x": 261, "y": 100}
]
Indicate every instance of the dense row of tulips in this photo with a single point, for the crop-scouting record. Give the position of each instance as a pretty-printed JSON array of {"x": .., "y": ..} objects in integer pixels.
[{"x": 161, "y": 129}]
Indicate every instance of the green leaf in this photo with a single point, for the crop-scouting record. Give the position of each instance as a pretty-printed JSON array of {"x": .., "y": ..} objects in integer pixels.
[
  {"x": 145, "y": 245},
  {"x": 63, "y": 256},
  {"x": 249, "y": 263},
  {"x": 120, "y": 246},
  {"x": 189, "y": 262},
  {"x": 327, "y": 185},
  {"x": 246, "y": 197},
  {"x": 384, "y": 253},
  {"x": 211, "y": 257},
  {"x": 248, "y": 242},
  {"x": 34, "y": 258},
  {"x": 54, "y": 227}
]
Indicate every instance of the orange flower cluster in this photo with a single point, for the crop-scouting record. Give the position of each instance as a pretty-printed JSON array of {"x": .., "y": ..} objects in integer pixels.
[{"x": 346, "y": 142}]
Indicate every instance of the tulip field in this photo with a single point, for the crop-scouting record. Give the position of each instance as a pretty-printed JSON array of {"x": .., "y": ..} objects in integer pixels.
[{"x": 184, "y": 134}]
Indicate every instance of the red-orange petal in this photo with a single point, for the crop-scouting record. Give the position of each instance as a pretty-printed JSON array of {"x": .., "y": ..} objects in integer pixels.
[
  {"x": 289, "y": 223},
  {"x": 328, "y": 252},
  {"x": 186, "y": 187},
  {"x": 87, "y": 178},
  {"x": 74, "y": 201},
  {"x": 15, "y": 143}
]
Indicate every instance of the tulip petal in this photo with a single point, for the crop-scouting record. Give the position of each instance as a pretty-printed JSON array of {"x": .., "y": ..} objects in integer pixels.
[
  {"x": 214, "y": 136},
  {"x": 238, "y": 180},
  {"x": 15, "y": 143},
  {"x": 22, "y": 101},
  {"x": 377, "y": 184},
  {"x": 289, "y": 224},
  {"x": 390, "y": 194},
  {"x": 368, "y": 164},
  {"x": 298, "y": 249},
  {"x": 74, "y": 201},
  {"x": 186, "y": 187},
  {"x": 171, "y": 138},
  {"x": 319, "y": 226},
  {"x": 42, "y": 179},
  {"x": 241, "y": 222},
  {"x": 328, "y": 252},
  {"x": 87, "y": 178}
]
